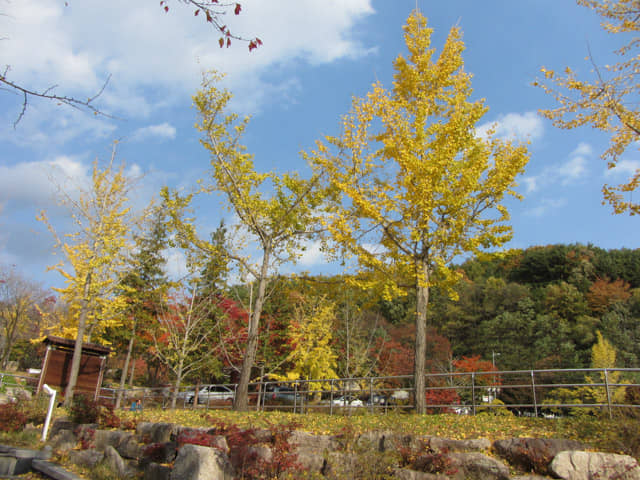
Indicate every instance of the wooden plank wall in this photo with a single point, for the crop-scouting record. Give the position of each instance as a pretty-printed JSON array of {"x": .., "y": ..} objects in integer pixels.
[{"x": 59, "y": 368}]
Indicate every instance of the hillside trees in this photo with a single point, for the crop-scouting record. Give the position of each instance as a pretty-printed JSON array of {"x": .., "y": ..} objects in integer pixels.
[
  {"x": 95, "y": 257},
  {"x": 609, "y": 100},
  {"x": 418, "y": 186},
  {"x": 183, "y": 339},
  {"x": 144, "y": 286},
  {"x": 277, "y": 212},
  {"x": 19, "y": 301}
]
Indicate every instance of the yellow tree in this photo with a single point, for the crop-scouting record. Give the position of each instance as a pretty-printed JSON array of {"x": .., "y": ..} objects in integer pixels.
[
  {"x": 276, "y": 212},
  {"x": 94, "y": 257},
  {"x": 310, "y": 334},
  {"x": 609, "y": 100},
  {"x": 419, "y": 186}
]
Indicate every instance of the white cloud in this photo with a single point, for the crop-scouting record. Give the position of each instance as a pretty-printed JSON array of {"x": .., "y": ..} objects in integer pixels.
[
  {"x": 526, "y": 126},
  {"x": 573, "y": 169},
  {"x": 568, "y": 172},
  {"x": 176, "y": 264},
  {"x": 155, "y": 58},
  {"x": 583, "y": 149},
  {"x": 35, "y": 184},
  {"x": 162, "y": 130},
  {"x": 530, "y": 183},
  {"x": 312, "y": 255},
  {"x": 546, "y": 205}
]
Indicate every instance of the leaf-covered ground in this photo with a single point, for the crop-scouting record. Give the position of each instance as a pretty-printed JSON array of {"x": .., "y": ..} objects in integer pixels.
[{"x": 617, "y": 435}]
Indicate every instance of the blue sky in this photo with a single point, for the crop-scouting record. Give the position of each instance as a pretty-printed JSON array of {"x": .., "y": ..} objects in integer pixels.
[{"x": 316, "y": 55}]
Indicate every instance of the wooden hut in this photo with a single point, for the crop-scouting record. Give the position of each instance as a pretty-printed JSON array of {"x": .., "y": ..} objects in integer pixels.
[{"x": 56, "y": 366}]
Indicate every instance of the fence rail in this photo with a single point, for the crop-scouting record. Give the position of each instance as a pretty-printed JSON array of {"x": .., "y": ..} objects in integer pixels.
[{"x": 523, "y": 392}]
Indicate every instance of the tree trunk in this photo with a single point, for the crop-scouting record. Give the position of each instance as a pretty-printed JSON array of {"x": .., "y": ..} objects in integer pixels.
[
  {"x": 241, "y": 400},
  {"x": 77, "y": 349},
  {"x": 422, "y": 294},
  {"x": 125, "y": 368}
]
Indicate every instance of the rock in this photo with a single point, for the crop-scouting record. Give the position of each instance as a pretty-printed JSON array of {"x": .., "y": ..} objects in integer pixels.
[
  {"x": 186, "y": 435},
  {"x": 63, "y": 441},
  {"x": 576, "y": 465},
  {"x": 533, "y": 454},
  {"x": 311, "y": 449},
  {"x": 104, "y": 438},
  {"x": 156, "y": 432},
  {"x": 115, "y": 462},
  {"x": 201, "y": 463},
  {"x": 263, "y": 435},
  {"x": 447, "y": 444},
  {"x": 86, "y": 458},
  {"x": 164, "y": 452},
  {"x": 129, "y": 447},
  {"x": 262, "y": 452},
  {"x": 406, "y": 474},
  {"x": 61, "y": 424},
  {"x": 155, "y": 471},
  {"x": 529, "y": 477},
  {"x": 476, "y": 466},
  {"x": 376, "y": 439}
]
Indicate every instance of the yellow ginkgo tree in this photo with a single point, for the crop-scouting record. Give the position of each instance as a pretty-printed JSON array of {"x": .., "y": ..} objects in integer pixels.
[
  {"x": 93, "y": 259},
  {"x": 310, "y": 334},
  {"x": 419, "y": 185},
  {"x": 276, "y": 213}
]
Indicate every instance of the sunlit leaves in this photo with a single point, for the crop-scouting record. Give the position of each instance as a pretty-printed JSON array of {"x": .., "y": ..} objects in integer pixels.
[
  {"x": 418, "y": 186},
  {"x": 608, "y": 101}
]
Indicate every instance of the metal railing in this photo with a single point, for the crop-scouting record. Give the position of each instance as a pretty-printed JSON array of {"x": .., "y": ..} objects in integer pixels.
[{"x": 522, "y": 392}]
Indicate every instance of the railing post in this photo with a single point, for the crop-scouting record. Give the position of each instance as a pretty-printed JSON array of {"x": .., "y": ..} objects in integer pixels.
[
  {"x": 473, "y": 392},
  {"x": 331, "y": 398},
  {"x": 533, "y": 388},
  {"x": 371, "y": 394},
  {"x": 606, "y": 386}
]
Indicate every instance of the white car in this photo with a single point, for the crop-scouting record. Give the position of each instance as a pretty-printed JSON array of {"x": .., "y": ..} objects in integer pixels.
[
  {"x": 212, "y": 393},
  {"x": 347, "y": 402}
]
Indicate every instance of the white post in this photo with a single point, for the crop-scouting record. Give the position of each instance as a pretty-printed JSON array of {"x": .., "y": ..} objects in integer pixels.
[{"x": 52, "y": 399}]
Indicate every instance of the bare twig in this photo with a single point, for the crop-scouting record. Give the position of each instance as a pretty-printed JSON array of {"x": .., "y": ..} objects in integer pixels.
[{"x": 48, "y": 94}]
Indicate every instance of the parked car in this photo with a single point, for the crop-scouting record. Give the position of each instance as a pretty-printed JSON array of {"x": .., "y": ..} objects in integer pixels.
[
  {"x": 210, "y": 394},
  {"x": 280, "y": 394},
  {"x": 347, "y": 401},
  {"x": 377, "y": 399}
]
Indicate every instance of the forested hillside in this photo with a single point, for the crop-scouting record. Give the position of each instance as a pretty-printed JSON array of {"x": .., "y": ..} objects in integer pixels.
[{"x": 536, "y": 308}]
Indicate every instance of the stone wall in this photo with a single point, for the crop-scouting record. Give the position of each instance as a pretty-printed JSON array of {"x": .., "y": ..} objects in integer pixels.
[{"x": 172, "y": 452}]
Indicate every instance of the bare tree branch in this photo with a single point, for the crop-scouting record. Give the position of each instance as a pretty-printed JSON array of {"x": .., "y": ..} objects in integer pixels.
[{"x": 48, "y": 94}]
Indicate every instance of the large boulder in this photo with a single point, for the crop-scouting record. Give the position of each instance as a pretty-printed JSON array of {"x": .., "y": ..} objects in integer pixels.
[
  {"x": 577, "y": 465},
  {"x": 61, "y": 424},
  {"x": 406, "y": 474},
  {"x": 157, "y": 432},
  {"x": 450, "y": 445},
  {"x": 115, "y": 462},
  {"x": 104, "y": 438},
  {"x": 155, "y": 471},
  {"x": 201, "y": 463},
  {"x": 86, "y": 458},
  {"x": 312, "y": 449},
  {"x": 533, "y": 454},
  {"x": 476, "y": 466},
  {"x": 63, "y": 441},
  {"x": 129, "y": 447}
]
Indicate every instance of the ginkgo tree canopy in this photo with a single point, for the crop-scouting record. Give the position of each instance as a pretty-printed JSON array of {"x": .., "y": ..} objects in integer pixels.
[{"x": 418, "y": 184}]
